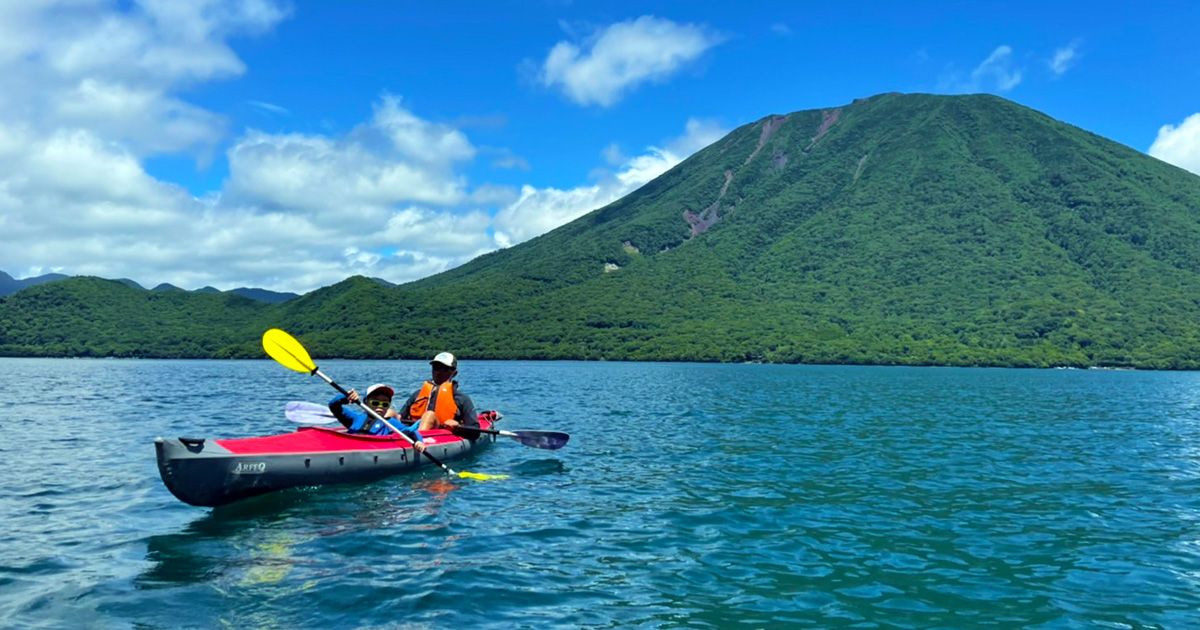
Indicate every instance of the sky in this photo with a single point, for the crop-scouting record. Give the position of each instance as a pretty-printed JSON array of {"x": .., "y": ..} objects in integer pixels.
[{"x": 290, "y": 145}]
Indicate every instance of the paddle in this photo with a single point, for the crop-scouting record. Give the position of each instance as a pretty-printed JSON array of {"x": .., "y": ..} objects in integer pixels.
[
  {"x": 549, "y": 440},
  {"x": 290, "y": 354},
  {"x": 309, "y": 413}
]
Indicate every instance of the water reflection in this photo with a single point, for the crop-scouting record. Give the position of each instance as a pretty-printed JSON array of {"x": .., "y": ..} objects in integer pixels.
[{"x": 264, "y": 538}]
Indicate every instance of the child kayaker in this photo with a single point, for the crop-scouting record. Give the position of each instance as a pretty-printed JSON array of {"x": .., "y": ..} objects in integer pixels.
[
  {"x": 439, "y": 403},
  {"x": 379, "y": 399}
]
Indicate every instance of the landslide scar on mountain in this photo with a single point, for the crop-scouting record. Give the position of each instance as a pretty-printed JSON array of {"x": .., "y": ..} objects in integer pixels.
[
  {"x": 861, "y": 161},
  {"x": 769, "y": 127},
  {"x": 828, "y": 118},
  {"x": 709, "y": 217}
]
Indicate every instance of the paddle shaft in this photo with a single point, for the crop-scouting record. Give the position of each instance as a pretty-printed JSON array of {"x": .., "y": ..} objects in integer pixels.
[
  {"x": 492, "y": 431},
  {"x": 371, "y": 412},
  {"x": 307, "y": 413}
]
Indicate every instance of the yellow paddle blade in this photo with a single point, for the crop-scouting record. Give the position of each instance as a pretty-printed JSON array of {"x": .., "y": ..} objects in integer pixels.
[
  {"x": 287, "y": 351},
  {"x": 480, "y": 476}
]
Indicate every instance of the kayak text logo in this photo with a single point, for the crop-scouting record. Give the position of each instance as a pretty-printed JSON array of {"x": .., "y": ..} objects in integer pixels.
[{"x": 251, "y": 468}]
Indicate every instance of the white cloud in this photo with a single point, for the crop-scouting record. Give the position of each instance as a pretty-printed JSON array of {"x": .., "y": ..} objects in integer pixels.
[
  {"x": 111, "y": 70},
  {"x": 622, "y": 56},
  {"x": 1179, "y": 145},
  {"x": 270, "y": 108},
  {"x": 74, "y": 202},
  {"x": 613, "y": 155},
  {"x": 1064, "y": 58},
  {"x": 997, "y": 68},
  {"x": 395, "y": 158},
  {"x": 298, "y": 212},
  {"x": 92, "y": 90},
  {"x": 416, "y": 139},
  {"x": 450, "y": 236},
  {"x": 510, "y": 161},
  {"x": 539, "y": 210},
  {"x": 996, "y": 72}
]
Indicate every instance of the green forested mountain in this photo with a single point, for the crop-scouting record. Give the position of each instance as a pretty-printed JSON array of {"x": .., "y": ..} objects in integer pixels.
[
  {"x": 85, "y": 316},
  {"x": 910, "y": 229},
  {"x": 10, "y": 285}
]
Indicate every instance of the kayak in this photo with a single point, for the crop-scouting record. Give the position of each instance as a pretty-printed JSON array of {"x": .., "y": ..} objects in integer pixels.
[{"x": 213, "y": 472}]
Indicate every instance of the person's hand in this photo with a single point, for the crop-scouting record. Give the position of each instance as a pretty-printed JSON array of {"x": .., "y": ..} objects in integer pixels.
[
  {"x": 451, "y": 423},
  {"x": 352, "y": 396},
  {"x": 391, "y": 413},
  {"x": 420, "y": 446}
]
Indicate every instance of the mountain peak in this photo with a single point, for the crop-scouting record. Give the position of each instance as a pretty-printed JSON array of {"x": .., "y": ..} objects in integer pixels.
[{"x": 899, "y": 229}]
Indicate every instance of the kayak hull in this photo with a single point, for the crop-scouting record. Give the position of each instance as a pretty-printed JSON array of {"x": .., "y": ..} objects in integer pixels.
[{"x": 210, "y": 473}]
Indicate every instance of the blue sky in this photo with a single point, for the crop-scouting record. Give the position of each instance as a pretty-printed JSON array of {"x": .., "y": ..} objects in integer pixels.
[{"x": 290, "y": 145}]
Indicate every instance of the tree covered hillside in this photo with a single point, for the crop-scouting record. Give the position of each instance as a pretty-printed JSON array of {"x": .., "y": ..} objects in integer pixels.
[{"x": 909, "y": 229}]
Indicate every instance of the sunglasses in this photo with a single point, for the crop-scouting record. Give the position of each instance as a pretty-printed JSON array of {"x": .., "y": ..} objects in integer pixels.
[{"x": 379, "y": 404}]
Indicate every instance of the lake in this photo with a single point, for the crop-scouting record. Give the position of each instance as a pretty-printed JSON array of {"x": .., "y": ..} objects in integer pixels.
[{"x": 690, "y": 495}]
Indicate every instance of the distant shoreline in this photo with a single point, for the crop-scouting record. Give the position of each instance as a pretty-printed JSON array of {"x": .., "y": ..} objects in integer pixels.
[{"x": 1101, "y": 368}]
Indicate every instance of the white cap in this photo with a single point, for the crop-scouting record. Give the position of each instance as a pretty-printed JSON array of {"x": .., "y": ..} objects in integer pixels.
[
  {"x": 446, "y": 359},
  {"x": 380, "y": 387}
]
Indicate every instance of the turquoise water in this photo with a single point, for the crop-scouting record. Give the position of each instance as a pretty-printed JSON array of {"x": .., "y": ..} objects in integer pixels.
[{"x": 690, "y": 495}]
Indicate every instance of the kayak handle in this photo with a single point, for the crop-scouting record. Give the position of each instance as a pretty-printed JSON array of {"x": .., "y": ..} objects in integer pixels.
[{"x": 193, "y": 444}]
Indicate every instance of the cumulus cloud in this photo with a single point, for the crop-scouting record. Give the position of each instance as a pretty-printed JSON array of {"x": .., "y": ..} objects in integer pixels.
[
  {"x": 996, "y": 72},
  {"x": 1179, "y": 144},
  {"x": 92, "y": 91},
  {"x": 1064, "y": 58},
  {"x": 112, "y": 70},
  {"x": 539, "y": 210},
  {"x": 78, "y": 204},
  {"x": 621, "y": 56},
  {"x": 395, "y": 158}
]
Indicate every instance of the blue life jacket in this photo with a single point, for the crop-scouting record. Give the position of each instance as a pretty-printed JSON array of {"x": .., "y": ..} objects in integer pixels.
[{"x": 356, "y": 420}]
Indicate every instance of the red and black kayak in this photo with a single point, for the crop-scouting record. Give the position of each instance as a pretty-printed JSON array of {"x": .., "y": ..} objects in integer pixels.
[{"x": 212, "y": 472}]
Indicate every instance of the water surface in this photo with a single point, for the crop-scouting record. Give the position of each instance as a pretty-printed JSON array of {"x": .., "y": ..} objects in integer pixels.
[{"x": 690, "y": 495}]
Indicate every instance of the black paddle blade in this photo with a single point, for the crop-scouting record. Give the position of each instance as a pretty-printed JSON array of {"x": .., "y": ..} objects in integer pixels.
[{"x": 549, "y": 440}]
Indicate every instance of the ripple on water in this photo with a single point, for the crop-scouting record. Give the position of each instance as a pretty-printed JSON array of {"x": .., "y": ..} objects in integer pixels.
[{"x": 858, "y": 496}]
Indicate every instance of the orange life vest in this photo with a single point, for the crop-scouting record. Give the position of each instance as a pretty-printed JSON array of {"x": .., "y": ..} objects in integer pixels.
[{"x": 443, "y": 401}]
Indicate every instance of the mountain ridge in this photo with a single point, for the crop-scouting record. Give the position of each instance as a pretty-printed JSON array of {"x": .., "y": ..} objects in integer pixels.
[
  {"x": 10, "y": 285},
  {"x": 897, "y": 229}
]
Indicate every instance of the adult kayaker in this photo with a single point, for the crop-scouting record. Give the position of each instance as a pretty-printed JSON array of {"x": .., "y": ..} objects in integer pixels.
[
  {"x": 379, "y": 399},
  {"x": 439, "y": 403}
]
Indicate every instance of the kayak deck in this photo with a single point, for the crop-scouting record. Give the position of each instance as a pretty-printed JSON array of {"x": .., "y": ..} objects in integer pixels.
[
  {"x": 215, "y": 472},
  {"x": 324, "y": 440}
]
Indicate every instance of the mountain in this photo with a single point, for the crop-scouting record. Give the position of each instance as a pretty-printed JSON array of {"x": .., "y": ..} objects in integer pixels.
[
  {"x": 130, "y": 283},
  {"x": 87, "y": 316},
  {"x": 899, "y": 229},
  {"x": 263, "y": 295},
  {"x": 908, "y": 229},
  {"x": 10, "y": 285}
]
